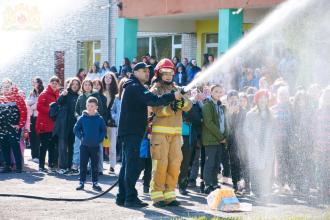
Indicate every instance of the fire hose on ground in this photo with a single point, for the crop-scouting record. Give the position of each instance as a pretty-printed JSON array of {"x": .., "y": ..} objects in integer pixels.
[
  {"x": 61, "y": 199},
  {"x": 68, "y": 199}
]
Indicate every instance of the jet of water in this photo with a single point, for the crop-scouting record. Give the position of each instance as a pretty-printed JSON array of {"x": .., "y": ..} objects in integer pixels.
[
  {"x": 30, "y": 32},
  {"x": 295, "y": 26}
]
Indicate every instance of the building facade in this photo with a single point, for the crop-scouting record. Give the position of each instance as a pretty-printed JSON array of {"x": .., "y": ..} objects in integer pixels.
[
  {"x": 109, "y": 30},
  {"x": 62, "y": 44},
  {"x": 210, "y": 27}
]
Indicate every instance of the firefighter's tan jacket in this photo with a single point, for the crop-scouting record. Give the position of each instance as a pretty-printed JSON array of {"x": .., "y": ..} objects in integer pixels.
[{"x": 166, "y": 120}]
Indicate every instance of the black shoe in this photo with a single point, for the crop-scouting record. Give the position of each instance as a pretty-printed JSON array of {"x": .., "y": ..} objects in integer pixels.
[
  {"x": 159, "y": 204},
  {"x": 217, "y": 187},
  {"x": 6, "y": 169},
  {"x": 247, "y": 190},
  {"x": 80, "y": 187},
  {"x": 202, "y": 187},
  {"x": 43, "y": 170},
  {"x": 136, "y": 204},
  {"x": 52, "y": 169},
  {"x": 19, "y": 170},
  {"x": 208, "y": 190},
  {"x": 74, "y": 171},
  {"x": 145, "y": 189},
  {"x": 97, "y": 187},
  {"x": 112, "y": 170},
  {"x": 183, "y": 191},
  {"x": 120, "y": 202},
  {"x": 235, "y": 188},
  {"x": 174, "y": 203},
  {"x": 192, "y": 183}
]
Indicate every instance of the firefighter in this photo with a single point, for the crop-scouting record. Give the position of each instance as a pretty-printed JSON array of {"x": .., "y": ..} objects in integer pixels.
[
  {"x": 166, "y": 138},
  {"x": 131, "y": 130}
]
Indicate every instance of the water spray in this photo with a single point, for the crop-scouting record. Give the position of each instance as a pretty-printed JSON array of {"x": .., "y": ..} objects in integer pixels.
[
  {"x": 290, "y": 42},
  {"x": 241, "y": 9},
  {"x": 220, "y": 68},
  {"x": 238, "y": 11}
]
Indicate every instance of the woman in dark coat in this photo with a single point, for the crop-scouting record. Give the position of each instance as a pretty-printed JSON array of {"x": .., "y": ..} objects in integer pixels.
[
  {"x": 110, "y": 90},
  {"x": 301, "y": 146},
  {"x": 64, "y": 124},
  {"x": 236, "y": 118}
]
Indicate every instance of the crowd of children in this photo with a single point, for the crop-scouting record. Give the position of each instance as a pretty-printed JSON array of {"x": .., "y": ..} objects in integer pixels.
[{"x": 265, "y": 135}]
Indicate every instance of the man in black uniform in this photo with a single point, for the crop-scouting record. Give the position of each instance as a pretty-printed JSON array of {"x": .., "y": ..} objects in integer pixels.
[{"x": 132, "y": 127}]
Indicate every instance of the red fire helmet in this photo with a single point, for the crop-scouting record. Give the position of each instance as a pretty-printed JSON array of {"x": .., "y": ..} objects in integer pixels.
[{"x": 164, "y": 64}]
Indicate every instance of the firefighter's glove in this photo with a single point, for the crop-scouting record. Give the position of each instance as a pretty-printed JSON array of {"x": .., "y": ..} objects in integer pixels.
[
  {"x": 178, "y": 105},
  {"x": 173, "y": 106}
]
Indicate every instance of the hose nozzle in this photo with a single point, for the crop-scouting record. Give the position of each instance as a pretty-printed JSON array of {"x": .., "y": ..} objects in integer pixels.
[{"x": 183, "y": 90}]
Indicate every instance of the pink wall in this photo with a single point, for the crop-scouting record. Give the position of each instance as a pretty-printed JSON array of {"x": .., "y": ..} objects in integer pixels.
[{"x": 147, "y": 8}]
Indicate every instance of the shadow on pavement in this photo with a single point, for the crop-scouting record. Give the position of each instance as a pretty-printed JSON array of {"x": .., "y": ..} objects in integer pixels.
[
  {"x": 178, "y": 211},
  {"x": 29, "y": 176}
]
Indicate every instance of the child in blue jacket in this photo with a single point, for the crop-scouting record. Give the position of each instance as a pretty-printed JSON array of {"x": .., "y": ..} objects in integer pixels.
[{"x": 91, "y": 130}]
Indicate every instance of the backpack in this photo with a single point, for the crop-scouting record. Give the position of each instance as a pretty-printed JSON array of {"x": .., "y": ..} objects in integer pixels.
[
  {"x": 145, "y": 148},
  {"x": 54, "y": 109},
  {"x": 186, "y": 129}
]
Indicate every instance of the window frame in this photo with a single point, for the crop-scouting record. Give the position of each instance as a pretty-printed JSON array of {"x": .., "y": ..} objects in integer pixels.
[
  {"x": 173, "y": 45},
  {"x": 176, "y": 46},
  {"x": 80, "y": 51},
  {"x": 96, "y": 51},
  {"x": 211, "y": 45}
]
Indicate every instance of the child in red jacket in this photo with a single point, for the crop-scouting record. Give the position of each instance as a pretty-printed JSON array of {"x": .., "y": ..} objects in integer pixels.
[{"x": 13, "y": 114}]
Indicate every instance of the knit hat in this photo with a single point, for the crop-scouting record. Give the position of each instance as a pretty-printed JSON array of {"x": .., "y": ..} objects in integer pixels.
[
  {"x": 232, "y": 93},
  {"x": 260, "y": 94},
  {"x": 124, "y": 70},
  {"x": 113, "y": 69}
]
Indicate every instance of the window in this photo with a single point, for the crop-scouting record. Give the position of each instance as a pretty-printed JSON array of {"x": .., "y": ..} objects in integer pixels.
[
  {"x": 212, "y": 50},
  {"x": 212, "y": 38},
  {"x": 177, "y": 46},
  {"x": 211, "y": 44},
  {"x": 89, "y": 52},
  {"x": 177, "y": 39},
  {"x": 177, "y": 53},
  {"x": 59, "y": 65},
  {"x": 142, "y": 46},
  {"x": 160, "y": 46},
  {"x": 96, "y": 51}
]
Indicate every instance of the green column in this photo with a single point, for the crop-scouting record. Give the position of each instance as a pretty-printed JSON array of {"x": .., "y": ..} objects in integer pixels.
[
  {"x": 126, "y": 39},
  {"x": 230, "y": 29}
]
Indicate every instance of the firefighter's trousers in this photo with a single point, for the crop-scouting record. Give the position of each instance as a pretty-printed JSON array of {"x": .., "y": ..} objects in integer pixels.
[{"x": 166, "y": 161}]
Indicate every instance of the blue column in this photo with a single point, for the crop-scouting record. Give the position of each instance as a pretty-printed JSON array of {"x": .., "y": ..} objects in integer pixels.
[
  {"x": 230, "y": 29},
  {"x": 126, "y": 39}
]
